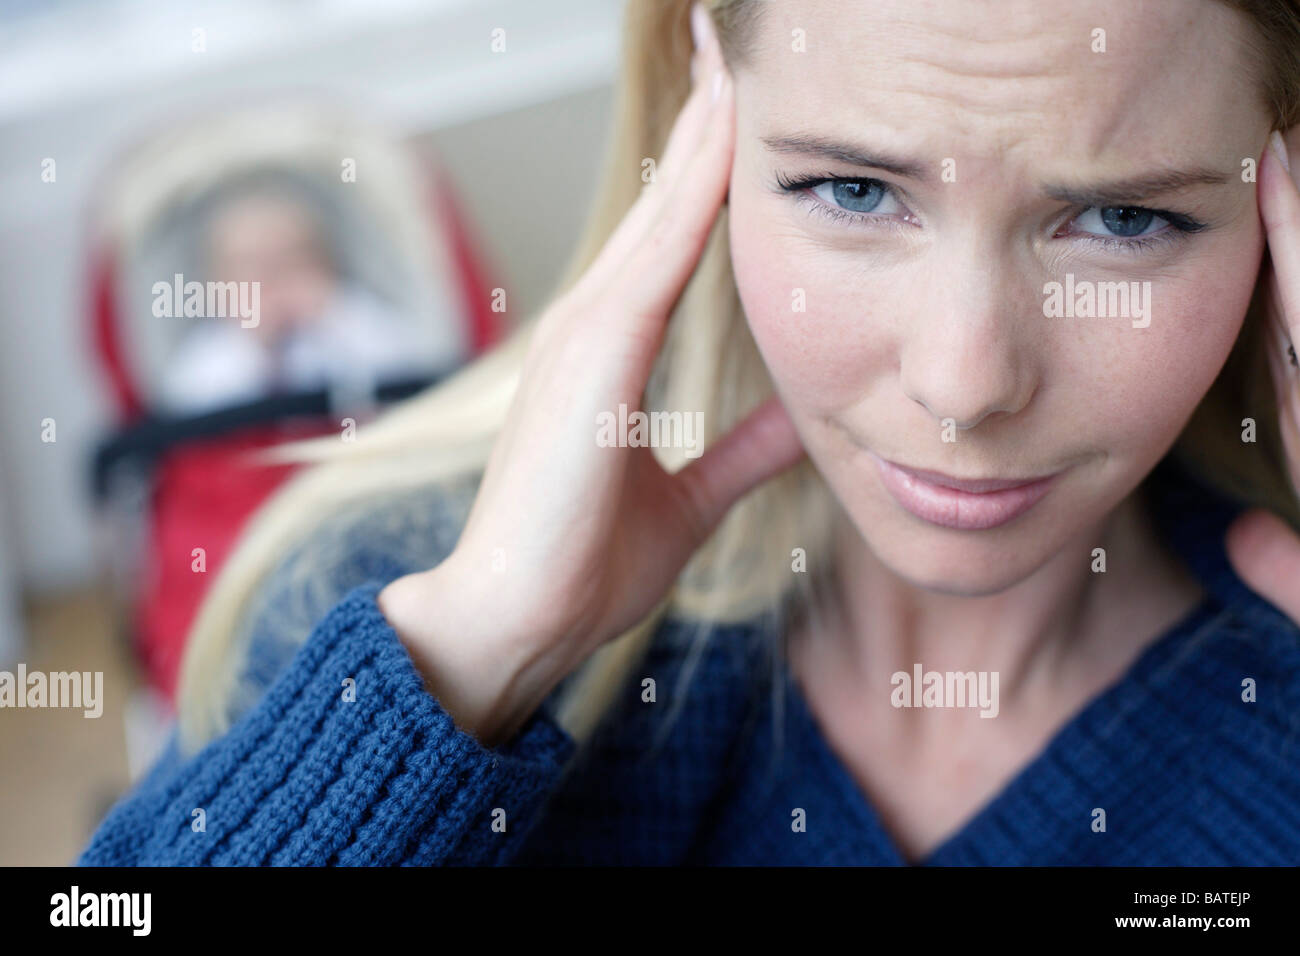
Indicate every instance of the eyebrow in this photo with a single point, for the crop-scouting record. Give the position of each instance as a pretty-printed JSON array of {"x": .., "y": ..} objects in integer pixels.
[
  {"x": 1089, "y": 194},
  {"x": 1138, "y": 187},
  {"x": 844, "y": 153}
]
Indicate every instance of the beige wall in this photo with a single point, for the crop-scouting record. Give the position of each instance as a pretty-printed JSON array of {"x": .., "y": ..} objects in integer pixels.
[{"x": 527, "y": 180}]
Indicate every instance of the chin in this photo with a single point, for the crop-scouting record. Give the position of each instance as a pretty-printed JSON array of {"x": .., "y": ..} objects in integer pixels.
[
  {"x": 958, "y": 563},
  {"x": 974, "y": 575}
]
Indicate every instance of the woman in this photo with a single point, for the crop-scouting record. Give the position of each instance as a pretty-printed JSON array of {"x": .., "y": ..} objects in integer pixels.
[{"x": 987, "y": 618}]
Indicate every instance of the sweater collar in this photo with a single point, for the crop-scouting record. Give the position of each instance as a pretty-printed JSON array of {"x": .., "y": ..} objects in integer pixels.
[{"x": 1019, "y": 822}]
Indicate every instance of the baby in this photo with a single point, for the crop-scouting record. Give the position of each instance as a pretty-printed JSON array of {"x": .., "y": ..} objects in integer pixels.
[{"x": 315, "y": 328}]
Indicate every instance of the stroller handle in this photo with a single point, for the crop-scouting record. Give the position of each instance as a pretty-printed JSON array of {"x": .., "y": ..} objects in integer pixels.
[{"x": 144, "y": 441}]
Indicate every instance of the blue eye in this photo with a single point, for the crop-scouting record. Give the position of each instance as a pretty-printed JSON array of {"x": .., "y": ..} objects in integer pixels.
[
  {"x": 868, "y": 201},
  {"x": 1124, "y": 222},
  {"x": 854, "y": 195},
  {"x": 858, "y": 196},
  {"x": 1130, "y": 228},
  {"x": 1127, "y": 220}
]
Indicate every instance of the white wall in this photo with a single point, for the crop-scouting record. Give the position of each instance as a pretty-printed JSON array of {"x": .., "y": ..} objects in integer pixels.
[
  {"x": 79, "y": 90},
  {"x": 11, "y": 636}
]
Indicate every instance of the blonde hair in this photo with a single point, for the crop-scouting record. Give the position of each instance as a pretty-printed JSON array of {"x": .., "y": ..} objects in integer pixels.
[{"x": 709, "y": 362}]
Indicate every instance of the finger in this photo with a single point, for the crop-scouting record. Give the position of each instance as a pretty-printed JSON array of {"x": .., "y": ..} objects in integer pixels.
[
  {"x": 1265, "y": 553},
  {"x": 1279, "y": 208},
  {"x": 660, "y": 265},
  {"x": 1280, "y": 211},
  {"x": 1286, "y": 389},
  {"x": 690, "y": 134},
  {"x": 684, "y": 140},
  {"x": 706, "y": 61},
  {"x": 688, "y": 130},
  {"x": 761, "y": 446}
]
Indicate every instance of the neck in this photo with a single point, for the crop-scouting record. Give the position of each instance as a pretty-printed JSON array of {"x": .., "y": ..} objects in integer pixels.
[{"x": 1063, "y": 625}]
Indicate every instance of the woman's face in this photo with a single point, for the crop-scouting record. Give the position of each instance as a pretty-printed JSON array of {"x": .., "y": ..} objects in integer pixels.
[{"x": 958, "y": 159}]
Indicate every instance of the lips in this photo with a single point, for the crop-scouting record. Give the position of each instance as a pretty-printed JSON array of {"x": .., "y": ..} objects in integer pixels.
[{"x": 962, "y": 503}]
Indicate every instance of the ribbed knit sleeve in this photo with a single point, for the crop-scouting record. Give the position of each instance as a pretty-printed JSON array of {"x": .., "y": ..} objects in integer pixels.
[{"x": 310, "y": 776}]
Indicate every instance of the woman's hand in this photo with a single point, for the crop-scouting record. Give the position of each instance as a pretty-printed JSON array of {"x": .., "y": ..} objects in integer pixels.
[
  {"x": 568, "y": 543},
  {"x": 1263, "y": 549}
]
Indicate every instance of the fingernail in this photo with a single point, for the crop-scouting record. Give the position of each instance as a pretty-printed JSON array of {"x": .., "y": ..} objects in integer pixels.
[
  {"x": 717, "y": 85},
  {"x": 1279, "y": 149}
]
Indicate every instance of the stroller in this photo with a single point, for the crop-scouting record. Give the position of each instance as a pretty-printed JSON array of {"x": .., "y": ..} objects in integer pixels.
[{"x": 173, "y": 486}]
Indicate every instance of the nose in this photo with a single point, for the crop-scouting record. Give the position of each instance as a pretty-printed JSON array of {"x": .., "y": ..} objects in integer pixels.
[{"x": 968, "y": 354}]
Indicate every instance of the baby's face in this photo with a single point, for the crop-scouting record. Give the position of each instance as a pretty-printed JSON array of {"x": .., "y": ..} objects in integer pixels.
[
  {"x": 274, "y": 242},
  {"x": 920, "y": 196}
]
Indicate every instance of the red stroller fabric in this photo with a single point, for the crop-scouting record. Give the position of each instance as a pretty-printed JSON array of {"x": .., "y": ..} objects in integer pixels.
[{"x": 203, "y": 494}]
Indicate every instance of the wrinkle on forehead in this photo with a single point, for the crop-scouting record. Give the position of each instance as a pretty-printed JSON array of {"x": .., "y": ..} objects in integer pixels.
[{"x": 995, "y": 75}]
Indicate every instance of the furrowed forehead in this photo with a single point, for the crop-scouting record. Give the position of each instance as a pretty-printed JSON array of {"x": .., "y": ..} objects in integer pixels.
[{"x": 1091, "y": 79}]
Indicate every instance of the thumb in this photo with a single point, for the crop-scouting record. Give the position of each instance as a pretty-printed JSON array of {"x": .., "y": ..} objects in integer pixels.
[
  {"x": 759, "y": 447},
  {"x": 1265, "y": 553}
]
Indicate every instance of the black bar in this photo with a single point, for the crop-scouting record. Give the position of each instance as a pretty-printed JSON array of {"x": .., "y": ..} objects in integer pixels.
[{"x": 1050, "y": 906}]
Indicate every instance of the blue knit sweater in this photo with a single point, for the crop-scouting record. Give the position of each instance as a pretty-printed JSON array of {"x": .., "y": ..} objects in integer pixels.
[{"x": 714, "y": 770}]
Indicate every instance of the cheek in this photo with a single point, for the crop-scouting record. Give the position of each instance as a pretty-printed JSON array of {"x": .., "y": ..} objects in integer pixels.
[
  {"x": 816, "y": 319},
  {"x": 1141, "y": 385}
]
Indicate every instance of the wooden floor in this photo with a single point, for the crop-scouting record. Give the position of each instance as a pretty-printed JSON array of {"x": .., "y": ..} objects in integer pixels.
[{"x": 59, "y": 770}]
